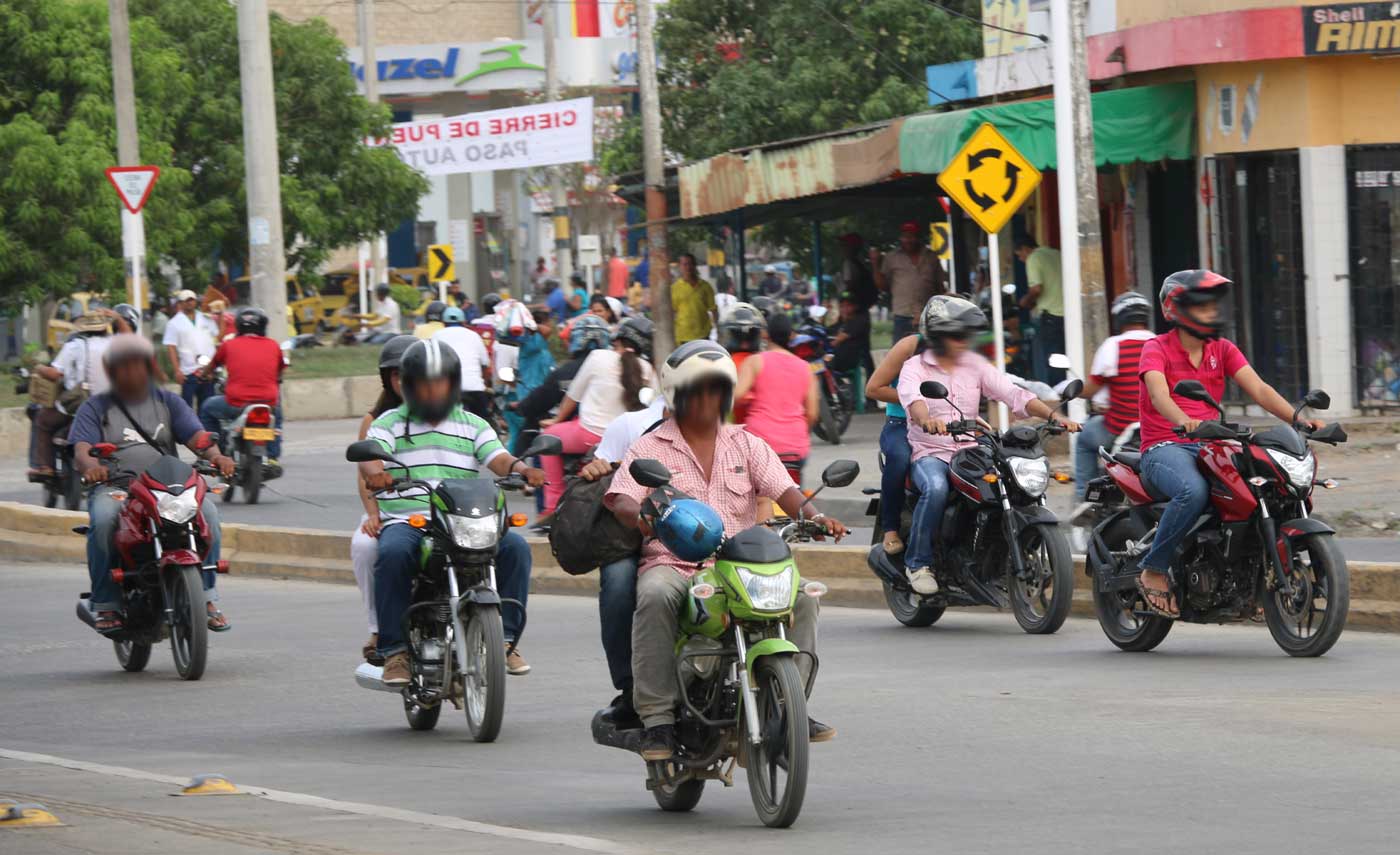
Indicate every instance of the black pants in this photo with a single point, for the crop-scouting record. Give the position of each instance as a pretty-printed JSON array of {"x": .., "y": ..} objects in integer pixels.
[{"x": 478, "y": 403}]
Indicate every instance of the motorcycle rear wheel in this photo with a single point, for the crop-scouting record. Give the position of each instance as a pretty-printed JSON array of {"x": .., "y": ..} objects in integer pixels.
[
  {"x": 72, "y": 489},
  {"x": 782, "y": 717},
  {"x": 421, "y": 718},
  {"x": 1042, "y": 604},
  {"x": 1122, "y": 614},
  {"x": 484, "y": 672},
  {"x": 827, "y": 428},
  {"x": 50, "y": 494},
  {"x": 1320, "y": 570},
  {"x": 132, "y": 655},
  {"x": 252, "y": 478},
  {"x": 680, "y": 798},
  {"x": 911, "y": 609},
  {"x": 189, "y": 637}
]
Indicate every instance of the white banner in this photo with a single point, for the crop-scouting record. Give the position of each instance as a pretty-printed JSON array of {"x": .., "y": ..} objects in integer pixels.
[{"x": 513, "y": 138}]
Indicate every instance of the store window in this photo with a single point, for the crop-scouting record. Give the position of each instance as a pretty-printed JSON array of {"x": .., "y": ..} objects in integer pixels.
[{"x": 1373, "y": 204}]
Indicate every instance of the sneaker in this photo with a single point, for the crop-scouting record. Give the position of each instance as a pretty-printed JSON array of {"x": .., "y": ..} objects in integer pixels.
[
  {"x": 396, "y": 671},
  {"x": 892, "y": 544},
  {"x": 371, "y": 650},
  {"x": 621, "y": 714},
  {"x": 922, "y": 581},
  {"x": 516, "y": 666},
  {"x": 818, "y": 732},
  {"x": 659, "y": 743},
  {"x": 1082, "y": 515}
]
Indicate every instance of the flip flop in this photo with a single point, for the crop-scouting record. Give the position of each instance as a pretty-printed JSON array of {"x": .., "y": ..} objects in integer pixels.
[
  {"x": 113, "y": 621},
  {"x": 1147, "y": 595},
  {"x": 217, "y": 622}
]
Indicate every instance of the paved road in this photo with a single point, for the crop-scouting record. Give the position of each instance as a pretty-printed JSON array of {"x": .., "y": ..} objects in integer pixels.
[{"x": 969, "y": 737}]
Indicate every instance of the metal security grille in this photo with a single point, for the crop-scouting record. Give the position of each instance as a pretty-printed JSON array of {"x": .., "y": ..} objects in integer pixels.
[{"x": 1373, "y": 209}]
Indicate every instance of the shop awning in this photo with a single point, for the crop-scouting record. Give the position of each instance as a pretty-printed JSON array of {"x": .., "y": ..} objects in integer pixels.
[{"x": 1144, "y": 123}]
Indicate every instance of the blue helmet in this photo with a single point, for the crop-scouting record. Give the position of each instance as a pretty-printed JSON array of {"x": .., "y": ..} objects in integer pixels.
[
  {"x": 589, "y": 332},
  {"x": 691, "y": 529},
  {"x": 453, "y": 315}
]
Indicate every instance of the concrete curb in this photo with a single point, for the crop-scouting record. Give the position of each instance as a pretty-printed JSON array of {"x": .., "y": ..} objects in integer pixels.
[{"x": 31, "y": 533}]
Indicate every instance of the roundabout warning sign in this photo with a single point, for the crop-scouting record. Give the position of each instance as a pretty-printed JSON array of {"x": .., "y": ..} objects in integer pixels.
[{"x": 989, "y": 178}]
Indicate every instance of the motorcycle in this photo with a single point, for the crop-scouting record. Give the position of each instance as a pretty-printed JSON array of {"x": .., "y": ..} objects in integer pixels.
[
  {"x": 162, "y": 542},
  {"x": 248, "y": 436},
  {"x": 1256, "y": 547},
  {"x": 997, "y": 501},
  {"x": 64, "y": 485},
  {"x": 838, "y": 399},
  {"x": 456, "y": 641},
  {"x": 742, "y": 698}
]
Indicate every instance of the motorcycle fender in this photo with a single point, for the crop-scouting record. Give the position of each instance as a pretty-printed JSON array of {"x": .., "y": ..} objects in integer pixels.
[
  {"x": 179, "y": 558},
  {"x": 1294, "y": 529},
  {"x": 1035, "y": 515},
  {"x": 768, "y": 647},
  {"x": 482, "y": 596}
]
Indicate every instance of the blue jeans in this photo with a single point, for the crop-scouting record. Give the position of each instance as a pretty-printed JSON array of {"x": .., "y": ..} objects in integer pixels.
[
  {"x": 1170, "y": 469},
  {"x": 1049, "y": 338},
  {"x": 894, "y": 444},
  {"x": 931, "y": 479},
  {"x": 397, "y": 564},
  {"x": 103, "y": 513},
  {"x": 903, "y": 326},
  {"x": 217, "y": 411},
  {"x": 617, "y": 600},
  {"x": 1094, "y": 435},
  {"x": 196, "y": 391}
]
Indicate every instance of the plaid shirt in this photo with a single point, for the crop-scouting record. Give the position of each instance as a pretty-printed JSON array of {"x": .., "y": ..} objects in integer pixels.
[{"x": 744, "y": 469}]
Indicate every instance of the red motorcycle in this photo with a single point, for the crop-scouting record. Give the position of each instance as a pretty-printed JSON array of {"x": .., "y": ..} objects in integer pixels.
[
  {"x": 1255, "y": 548},
  {"x": 162, "y": 541}
]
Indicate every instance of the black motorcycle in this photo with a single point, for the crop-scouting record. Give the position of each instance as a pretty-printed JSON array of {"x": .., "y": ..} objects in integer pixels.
[
  {"x": 997, "y": 500},
  {"x": 65, "y": 484},
  {"x": 247, "y": 438}
]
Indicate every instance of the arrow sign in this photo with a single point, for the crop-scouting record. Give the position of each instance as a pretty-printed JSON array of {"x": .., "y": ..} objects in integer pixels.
[
  {"x": 974, "y": 180},
  {"x": 1012, "y": 174},
  {"x": 983, "y": 202},
  {"x": 133, "y": 184},
  {"x": 440, "y": 263},
  {"x": 974, "y": 159}
]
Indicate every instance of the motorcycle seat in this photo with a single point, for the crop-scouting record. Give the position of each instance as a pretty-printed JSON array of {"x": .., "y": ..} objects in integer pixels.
[{"x": 1130, "y": 459}]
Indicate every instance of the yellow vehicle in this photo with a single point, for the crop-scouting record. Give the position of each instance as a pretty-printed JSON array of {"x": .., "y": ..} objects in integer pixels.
[
  {"x": 305, "y": 312},
  {"x": 68, "y": 310}
]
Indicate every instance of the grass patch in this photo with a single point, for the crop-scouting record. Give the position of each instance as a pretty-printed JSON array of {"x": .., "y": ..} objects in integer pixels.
[
  {"x": 334, "y": 362},
  {"x": 881, "y": 333}
]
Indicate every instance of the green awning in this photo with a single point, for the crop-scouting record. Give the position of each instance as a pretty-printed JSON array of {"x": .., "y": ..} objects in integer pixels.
[{"x": 1142, "y": 123}]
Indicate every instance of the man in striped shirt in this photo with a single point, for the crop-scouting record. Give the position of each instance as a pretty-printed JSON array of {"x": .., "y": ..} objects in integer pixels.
[
  {"x": 436, "y": 439},
  {"x": 1115, "y": 368}
]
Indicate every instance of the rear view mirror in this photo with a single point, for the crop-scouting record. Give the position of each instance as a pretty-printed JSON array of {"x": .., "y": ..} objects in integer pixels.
[
  {"x": 840, "y": 473},
  {"x": 1009, "y": 289},
  {"x": 366, "y": 450},
  {"x": 1318, "y": 399},
  {"x": 1059, "y": 360},
  {"x": 1072, "y": 390},
  {"x": 646, "y": 395},
  {"x": 544, "y": 444},
  {"x": 649, "y": 472},
  {"x": 1192, "y": 390},
  {"x": 933, "y": 389},
  {"x": 816, "y": 313}
]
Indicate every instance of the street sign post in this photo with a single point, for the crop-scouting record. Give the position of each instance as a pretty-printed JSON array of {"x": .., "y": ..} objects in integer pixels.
[
  {"x": 590, "y": 255},
  {"x": 441, "y": 267},
  {"x": 990, "y": 180},
  {"x": 133, "y": 185}
]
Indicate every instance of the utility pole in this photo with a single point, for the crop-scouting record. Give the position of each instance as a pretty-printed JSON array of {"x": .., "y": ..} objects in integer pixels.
[
  {"x": 364, "y": 22},
  {"x": 266, "y": 263},
  {"x": 654, "y": 174},
  {"x": 563, "y": 259},
  {"x": 128, "y": 148},
  {"x": 1086, "y": 314}
]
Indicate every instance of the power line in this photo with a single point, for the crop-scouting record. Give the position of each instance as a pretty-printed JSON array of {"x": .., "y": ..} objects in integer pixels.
[
  {"x": 896, "y": 66},
  {"x": 979, "y": 22}
]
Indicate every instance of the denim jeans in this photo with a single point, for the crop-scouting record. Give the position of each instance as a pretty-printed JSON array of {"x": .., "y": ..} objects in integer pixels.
[
  {"x": 1094, "y": 435},
  {"x": 1170, "y": 469},
  {"x": 1049, "y": 338},
  {"x": 217, "y": 411},
  {"x": 397, "y": 564},
  {"x": 103, "y": 513},
  {"x": 617, "y": 600},
  {"x": 903, "y": 326},
  {"x": 894, "y": 444},
  {"x": 196, "y": 391},
  {"x": 931, "y": 478}
]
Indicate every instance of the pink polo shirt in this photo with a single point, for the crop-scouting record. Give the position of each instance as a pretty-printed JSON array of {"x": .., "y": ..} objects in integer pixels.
[
  {"x": 744, "y": 469},
  {"x": 1219, "y": 359},
  {"x": 974, "y": 379}
]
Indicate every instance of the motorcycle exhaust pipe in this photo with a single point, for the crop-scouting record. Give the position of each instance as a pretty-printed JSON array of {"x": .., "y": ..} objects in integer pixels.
[
  {"x": 885, "y": 568},
  {"x": 369, "y": 676},
  {"x": 85, "y": 613}
]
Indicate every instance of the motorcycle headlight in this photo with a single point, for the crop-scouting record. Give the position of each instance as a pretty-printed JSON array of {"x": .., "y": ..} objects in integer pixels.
[
  {"x": 474, "y": 532},
  {"x": 1032, "y": 474},
  {"x": 768, "y": 593},
  {"x": 177, "y": 509},
  {"x": 1300, "y": 472}
]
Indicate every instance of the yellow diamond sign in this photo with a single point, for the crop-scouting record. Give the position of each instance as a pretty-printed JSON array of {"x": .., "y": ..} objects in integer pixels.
[
  {"x": 989, "y": 178},
  {"x": 938, "y": 241}
]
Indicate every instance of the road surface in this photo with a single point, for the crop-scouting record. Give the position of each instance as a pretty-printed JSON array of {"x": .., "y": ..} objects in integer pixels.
[{"x": 968, "y": 737}]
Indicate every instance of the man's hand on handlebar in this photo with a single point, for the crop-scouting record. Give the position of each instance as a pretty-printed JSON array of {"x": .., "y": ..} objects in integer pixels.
[
  {"x": 380, "y": 480},
  {"x": 1190, "y": 426},
  {"x": 533, "y": 477},
  {"x": 1067, "y": 424},
  {"x": 833, "y": 527},
  {"x": 933, "y": 425},
  {"x": 1313, "y": 424},
  {"x": 224, "y": 464},
  {"x": 96, "y": 474},
  {"x": 595, "y": 469}
]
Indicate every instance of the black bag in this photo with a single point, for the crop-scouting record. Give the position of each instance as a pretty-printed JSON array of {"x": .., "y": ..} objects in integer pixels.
[{"x": 584, "y": 535}]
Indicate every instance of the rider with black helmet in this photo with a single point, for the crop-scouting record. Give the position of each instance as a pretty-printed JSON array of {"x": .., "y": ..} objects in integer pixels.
[
  {"x": 432, "y": 320},
  {"x": 433, "y": 435},
  {"x": 254, "y": 363}
]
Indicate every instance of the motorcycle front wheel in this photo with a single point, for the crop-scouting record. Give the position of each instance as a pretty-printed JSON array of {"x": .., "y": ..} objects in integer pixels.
[
  {"x": 132, "y": 655},
  {"x": 777, "y": 765},
  {"x": 189, "y": 636},
  {"x": 1041, "y": 601},
  {"x": 484, "y": 672},
  {"x": 1122, "y": 615},
  {"x": 1310, "y": 620}
]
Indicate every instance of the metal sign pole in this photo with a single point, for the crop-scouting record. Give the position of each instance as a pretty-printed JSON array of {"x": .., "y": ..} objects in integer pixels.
[
  {"x": 952, "y": 257},
  {"x": 998, "y": 333}
]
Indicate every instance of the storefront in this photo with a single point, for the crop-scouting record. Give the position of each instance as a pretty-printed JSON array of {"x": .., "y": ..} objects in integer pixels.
[{"x": 1373, "y": 217}]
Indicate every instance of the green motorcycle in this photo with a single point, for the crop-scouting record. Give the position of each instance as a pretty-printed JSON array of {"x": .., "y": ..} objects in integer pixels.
[{"x": 743, "y": 701}]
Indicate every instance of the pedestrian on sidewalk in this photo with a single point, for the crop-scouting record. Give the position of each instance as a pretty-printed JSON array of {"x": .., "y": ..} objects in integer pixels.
[
  {"x": 910, "y": 274},
  {"x": 692, "y": 302},
  {"x": 1045, "y": 298}
]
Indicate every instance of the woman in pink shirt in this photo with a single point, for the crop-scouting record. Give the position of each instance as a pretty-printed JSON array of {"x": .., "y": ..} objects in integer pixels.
[
  {"x": 782, "y": 394},
  {"x": 947, "y": 324}
]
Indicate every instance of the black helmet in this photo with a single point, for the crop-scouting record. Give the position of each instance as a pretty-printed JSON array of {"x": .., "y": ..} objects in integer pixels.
[
  {"x": 250, "y": 321},
  {"x": 128, "y": 313},
  {"x": 1130, "y": 307},
  {"x": 765, "y": 305},
  {"x": 635, "y": 332},
  {"x": 434, "y": 311},
  {"x": 382, "y": 289},
  {"x": 391, "y": 355},
  {"x": 945, "y": 315},
  {"x": 427, "y": 359},
  {"x": 489, "y": 303},
  {"x": 741, "y": 328}
]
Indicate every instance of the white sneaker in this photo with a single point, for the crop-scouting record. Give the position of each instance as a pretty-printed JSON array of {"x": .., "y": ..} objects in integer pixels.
[{"x": 922, "y": 581}]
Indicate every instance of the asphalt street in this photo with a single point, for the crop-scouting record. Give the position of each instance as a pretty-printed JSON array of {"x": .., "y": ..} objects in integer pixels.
[{"x": 967, "y": 737}]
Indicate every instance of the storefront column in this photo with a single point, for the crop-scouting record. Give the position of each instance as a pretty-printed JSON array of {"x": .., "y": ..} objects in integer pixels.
[
  {"x": 1327, "y": 292},
  {"x": 459, "y": 207}
]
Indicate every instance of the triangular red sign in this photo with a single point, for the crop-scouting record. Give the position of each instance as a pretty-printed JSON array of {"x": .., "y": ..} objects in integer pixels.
[{"x": 133, "y": 184}]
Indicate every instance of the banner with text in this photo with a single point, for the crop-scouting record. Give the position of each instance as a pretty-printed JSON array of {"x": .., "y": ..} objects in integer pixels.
[{"x": 513, "y": 138}]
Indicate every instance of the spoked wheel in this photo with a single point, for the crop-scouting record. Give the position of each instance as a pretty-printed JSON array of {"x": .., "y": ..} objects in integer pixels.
[
  {"x": 484, "y": 672},
  {"x": 420, "y": 717},
  {"x": 132, "y": 655},
  {"x": 1042, "y": 599},
  {"x": 1123, "y": 615},
  {"x": 189, "y": 637},
  {"x": 1310, "y": 620},
  {"x": 681, "y": 797},
  {"x": 777, "y": 765},
  {"x": 911, "y": 609}
]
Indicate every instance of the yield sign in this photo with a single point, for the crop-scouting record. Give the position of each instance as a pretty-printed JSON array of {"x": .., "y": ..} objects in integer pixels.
[
  {"x": 440, "y": 263},
  {"x": 989, "y": 178},
  {"x": 133, "y": 184}
]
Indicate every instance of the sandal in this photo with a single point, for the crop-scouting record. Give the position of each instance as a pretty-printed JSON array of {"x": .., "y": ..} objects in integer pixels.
[
  {"x": 217, "y": 621},
  {"x": 892, "y": 544},
  {"x": 108, "y": 622},
  {"x": 1148, "y": 594}
]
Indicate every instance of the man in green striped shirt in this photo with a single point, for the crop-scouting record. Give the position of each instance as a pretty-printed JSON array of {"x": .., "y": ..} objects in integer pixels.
[{"x": 436, "y": 439}]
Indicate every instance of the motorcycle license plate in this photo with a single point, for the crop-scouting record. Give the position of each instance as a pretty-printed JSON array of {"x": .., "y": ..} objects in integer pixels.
[
  {"x": 817, "y": 367},
  {"x": 259, "y": 434}
]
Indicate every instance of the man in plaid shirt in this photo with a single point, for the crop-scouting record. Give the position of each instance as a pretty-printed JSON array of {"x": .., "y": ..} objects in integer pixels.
[{"x": 727, "y": 468}]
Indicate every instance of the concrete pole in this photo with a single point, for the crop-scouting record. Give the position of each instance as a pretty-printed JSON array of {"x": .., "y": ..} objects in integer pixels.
[
  {"x": 128, "y": 149},
  {"x": 266, "y": 262},
  {"x": 998, "y": 330},
  {"x": 563, "y": 259},
  {"x": 364, "y": 24},
  {"x": 654, "y": 172}
]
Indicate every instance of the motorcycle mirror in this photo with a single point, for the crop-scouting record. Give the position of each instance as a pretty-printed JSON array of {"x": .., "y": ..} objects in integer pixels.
[
  {"x": 816, "y": 313},
  {"x": 649, "y": 472},
  {"x": 546, "y": 444},
  {"x": 1072, "y": 390},
  {"x": 646, "y": 395},
  {"x": 506, "y": 374},
  {"x": 933, "y": 389},
  {"x": 1192, "y": 390},
  {"x": 1009, "y": 289},
  {"x": 840, "y": 473},
  {"x": 1059, "y": 360},
  {"x": 366, "y": 450},
  {"x": 1318, "y": 399}
]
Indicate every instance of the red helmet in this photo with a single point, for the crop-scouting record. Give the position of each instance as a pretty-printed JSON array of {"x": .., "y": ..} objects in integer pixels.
[{"x": 1192, "y": 288}]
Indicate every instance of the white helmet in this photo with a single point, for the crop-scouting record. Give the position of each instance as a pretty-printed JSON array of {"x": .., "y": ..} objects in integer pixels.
[{"x": 690, "y": 365}]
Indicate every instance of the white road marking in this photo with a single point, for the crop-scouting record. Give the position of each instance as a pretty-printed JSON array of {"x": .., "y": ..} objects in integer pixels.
[{"x": 572, "y": 841}]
